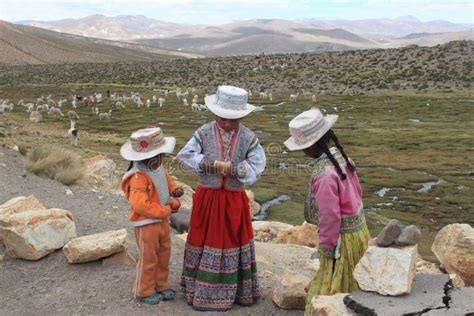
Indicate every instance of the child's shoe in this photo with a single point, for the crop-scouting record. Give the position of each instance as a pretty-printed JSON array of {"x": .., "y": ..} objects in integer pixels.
[
  {"x": 152, "y": 299},
  {"x": 168, "y": 294}
]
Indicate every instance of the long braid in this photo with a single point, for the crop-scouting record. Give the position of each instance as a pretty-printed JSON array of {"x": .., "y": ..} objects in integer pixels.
[
  {"x": 341, "y": 149},
  {"x": 324, "y": 147}
]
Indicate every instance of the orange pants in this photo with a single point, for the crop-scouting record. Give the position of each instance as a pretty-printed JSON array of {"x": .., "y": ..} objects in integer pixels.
[{"x": 154, "y": 250}]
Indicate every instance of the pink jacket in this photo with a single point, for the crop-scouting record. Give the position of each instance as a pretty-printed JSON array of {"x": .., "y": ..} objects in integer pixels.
[{"x": 335, "y": 198}]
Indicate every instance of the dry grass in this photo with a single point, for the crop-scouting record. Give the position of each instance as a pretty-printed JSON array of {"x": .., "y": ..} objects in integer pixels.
[{"x": 57, "y": 163}]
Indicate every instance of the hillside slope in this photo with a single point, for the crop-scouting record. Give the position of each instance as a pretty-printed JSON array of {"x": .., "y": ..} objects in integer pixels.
[{"x": 21, "y": 44}]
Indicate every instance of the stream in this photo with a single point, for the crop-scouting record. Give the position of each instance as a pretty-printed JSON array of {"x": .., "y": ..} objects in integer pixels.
[{"x": 263, "y": 214}]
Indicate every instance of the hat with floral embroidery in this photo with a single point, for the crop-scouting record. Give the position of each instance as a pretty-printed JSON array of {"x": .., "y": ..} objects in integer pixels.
[
  {"x": 147, "y": 143},
  {"x": 308, "y": 127}
]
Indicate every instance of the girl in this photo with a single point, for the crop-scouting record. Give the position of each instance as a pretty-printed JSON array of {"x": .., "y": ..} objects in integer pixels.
[
  {"x": 219, "y": 260},
  {"x": 334, "y": 203},
  {"x": 152, "y": 195}
]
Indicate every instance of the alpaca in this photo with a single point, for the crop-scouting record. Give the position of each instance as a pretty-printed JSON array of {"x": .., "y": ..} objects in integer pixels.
[
  {"x": 185, "y": 102},
  {"x": 105, "y": 115},
  {"x": 294, "y": 97},
  {"x": 74, "y": 133},
  {"x": 55, "y": 112},
  {"x": 313, "y": 98},
  {"x": 72, "y": 116},
  {"x": 195, "y": 107},
  {"x": 161, "y": 101}
]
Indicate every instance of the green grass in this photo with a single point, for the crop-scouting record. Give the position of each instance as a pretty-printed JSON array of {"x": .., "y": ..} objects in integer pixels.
[{"x": 390, "y": 151}]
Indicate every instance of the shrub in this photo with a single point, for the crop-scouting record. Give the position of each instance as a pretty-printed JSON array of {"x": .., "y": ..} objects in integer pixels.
[{"x": 57, "y": 163}]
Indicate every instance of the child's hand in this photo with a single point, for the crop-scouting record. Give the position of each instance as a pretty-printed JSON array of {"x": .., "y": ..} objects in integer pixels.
[
  {"x": 175, "y": 205},
  {"x": 178, "y": 192}
]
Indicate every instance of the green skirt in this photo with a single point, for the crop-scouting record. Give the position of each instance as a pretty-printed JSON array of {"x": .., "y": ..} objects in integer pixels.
[{"x": 335, "y": 275}]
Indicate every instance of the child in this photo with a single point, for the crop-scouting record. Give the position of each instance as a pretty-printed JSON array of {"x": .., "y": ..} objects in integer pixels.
[
  {"x": 334, "y": 203},
  {"x": 152, "y": 195}
]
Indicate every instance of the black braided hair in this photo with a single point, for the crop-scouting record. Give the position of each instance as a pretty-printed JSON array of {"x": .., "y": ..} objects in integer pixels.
[
  {"x": 130, "y": 166},
  {"x": 333, "y": 136},
  {"x": 322, "y": 144}
]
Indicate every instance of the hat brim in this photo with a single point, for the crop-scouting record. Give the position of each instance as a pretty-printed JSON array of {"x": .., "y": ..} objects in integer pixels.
[
  {"x": 127, "y": 152},
  {"x": 330, "y": 121},
  {"x": 224, "y": 113}
]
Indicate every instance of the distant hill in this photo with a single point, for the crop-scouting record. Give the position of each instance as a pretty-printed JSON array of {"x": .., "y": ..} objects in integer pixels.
[
  {"x": 388, "y": 28},
  {"x": 21, "y": 44},
  {"x": 430, "y": 39},
  {"x": 113, "y": 28},
  {"x": 257, "y": 36}
]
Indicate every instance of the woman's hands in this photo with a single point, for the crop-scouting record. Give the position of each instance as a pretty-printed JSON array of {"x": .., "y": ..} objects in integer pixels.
[{"x": 221, "y": 167}]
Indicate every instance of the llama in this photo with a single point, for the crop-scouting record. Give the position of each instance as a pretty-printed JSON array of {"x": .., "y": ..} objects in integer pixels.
[
  {"x": 55, "y": 112},
  {"x": 195, "y": 107},
  {"x": 161, "y": 101},
  {"x": 105, "y": 115},
  {"x": 294, "y": 97},
  {"x": 148, "y": 103},
  {"x": 73, "y": 133},
  {"x": 74, "y": 103},
  {"x": 72, "y": 116},
  {"x": 313, "y": 98},
  {"x": 185, "y": 102}
]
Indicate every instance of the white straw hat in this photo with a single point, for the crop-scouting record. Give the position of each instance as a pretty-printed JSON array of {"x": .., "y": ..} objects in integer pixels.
[
  {"x": 229, "y": 102},
  {"x": 308, "y": 127},
  {"x": 147, "y": 143}
]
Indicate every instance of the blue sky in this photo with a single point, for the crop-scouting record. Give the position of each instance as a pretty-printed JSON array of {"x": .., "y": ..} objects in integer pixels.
[{"x": 221, "y": 11}]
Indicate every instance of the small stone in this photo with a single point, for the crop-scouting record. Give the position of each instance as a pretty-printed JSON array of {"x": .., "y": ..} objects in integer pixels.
[
  {"x": 115, "y": 207},
  {"x": 289, "y": 292},
  {"x": 68, "y": 192},
  {"x": 389, "y": 233},
  {"x": 410, "y": 236},
  {"x": 108, "y": 213},
  {"x": 330, "y": 305}
]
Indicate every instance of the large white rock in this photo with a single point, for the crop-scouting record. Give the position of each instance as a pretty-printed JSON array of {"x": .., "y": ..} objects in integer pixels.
[
  {"x": 330, "y": 305},
  {"x": 93, "y": 247},
  {"x": 32, "y": 235},
  {"x": 17, "y": 205},
  {"x": 305, "y": 235},
  {"x": 387, "y": 271},
  {"x": 289, "y": 292},
  {"x": 100, "y": 171},
  {"x": 454, "y": 248},
  {"x": 268, "y": 230}
]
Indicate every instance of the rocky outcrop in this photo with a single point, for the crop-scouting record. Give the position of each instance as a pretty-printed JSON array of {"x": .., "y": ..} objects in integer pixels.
[
  {"x": 93, "y": 247},
  {"x": 305, "y": 235},
  {"x": 32, "y": 235},
  {"x": 330, "y": 305},
  {"x": 267, "y": 230},
  {"x": 100, "y": 171},
  {"x": 387, "y": 271},
  {"x": 454, "y": 248},
  {"x": 289, "y": 292}
]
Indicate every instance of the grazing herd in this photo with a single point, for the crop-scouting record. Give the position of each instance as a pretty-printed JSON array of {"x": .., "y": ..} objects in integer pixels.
[{"x": 54, "y": 108}]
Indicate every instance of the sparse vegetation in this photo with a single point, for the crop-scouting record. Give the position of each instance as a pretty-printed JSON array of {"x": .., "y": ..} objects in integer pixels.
[{"x": 57, "y": 163}]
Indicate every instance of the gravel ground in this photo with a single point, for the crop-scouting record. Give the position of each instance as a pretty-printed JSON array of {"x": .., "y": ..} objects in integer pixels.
[{"x": 53, "y": 286}]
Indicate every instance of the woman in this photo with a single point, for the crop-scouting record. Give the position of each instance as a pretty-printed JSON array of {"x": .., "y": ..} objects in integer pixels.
[
  {"x": 219, "y": 261},
  {"x": 334, "y": 203}
]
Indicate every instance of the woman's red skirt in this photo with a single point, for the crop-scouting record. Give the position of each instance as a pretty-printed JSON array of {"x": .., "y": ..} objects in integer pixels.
[{"x": 219, "y": 260}]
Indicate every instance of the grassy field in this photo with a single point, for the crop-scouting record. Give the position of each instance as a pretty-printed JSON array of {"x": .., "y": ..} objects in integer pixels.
[{"x": 397, "y": 140}]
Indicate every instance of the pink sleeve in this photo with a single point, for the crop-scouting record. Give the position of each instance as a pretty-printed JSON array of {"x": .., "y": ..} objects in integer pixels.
[{"x": 326, "y": 195}]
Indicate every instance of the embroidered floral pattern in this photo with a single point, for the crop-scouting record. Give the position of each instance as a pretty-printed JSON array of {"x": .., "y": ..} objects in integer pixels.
[{"x": 216, "y": 278}]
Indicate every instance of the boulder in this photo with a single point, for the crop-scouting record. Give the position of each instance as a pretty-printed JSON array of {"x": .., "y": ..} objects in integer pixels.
[
  {"x": 32, "y": 235},
  {"x": 17, "y": 205},
  {"x": 187, "y": 198},
  {"x": 289, "y": 292},
  {"x": 454, "y": 248},
  {"x": 180, "y": 220},
  {"x": 100, "y": 171},
  {"x": 254, "y": 206},
  {"x": 93, "y": 247},
  {"x": 410, "y": 235},
  {"x": 20, "y": 204},
  {"x": 312, "y": 265},
  {"x": 330, "y": 305},
  {"x": 267, "y": 231},
  {"x": 389, "y": 233},
  {"x": 305, "y": 235},
  {"x": 387, "y": 271}
]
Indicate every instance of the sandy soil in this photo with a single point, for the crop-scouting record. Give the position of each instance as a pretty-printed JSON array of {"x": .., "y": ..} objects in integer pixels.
[{"x": 53, "y": 286}]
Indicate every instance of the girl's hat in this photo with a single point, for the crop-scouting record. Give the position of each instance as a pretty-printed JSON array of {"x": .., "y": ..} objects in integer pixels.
[
  {"x": 308, "y": 127},
  {"x": 147, "y": 143},
  {"x": 229, "y": 102}
]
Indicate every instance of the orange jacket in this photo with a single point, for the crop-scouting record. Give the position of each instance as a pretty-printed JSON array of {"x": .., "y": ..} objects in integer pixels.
[{"x": 143, "y": 196}]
